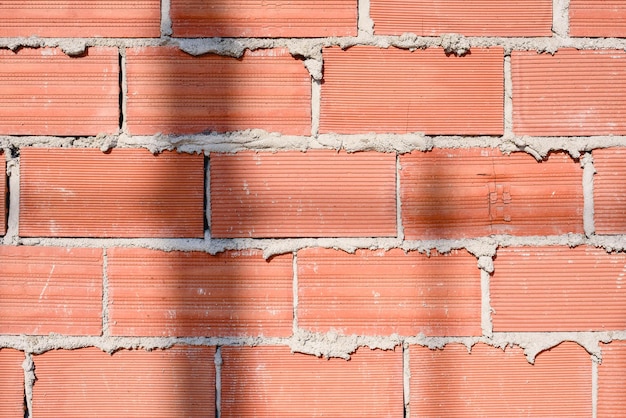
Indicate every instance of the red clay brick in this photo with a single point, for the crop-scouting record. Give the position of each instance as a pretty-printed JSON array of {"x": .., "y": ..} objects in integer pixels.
[
  {"x": 491, "y": 382},
  {"x": 44, "y": 290},
  {"x": 3, "y": 195},
  {"x": 154, "y": 293},
  {"x": 174, "y": 93},
  {"x": 122, "y": 193},
  {"x": 609, "y": 190},
  {"x": 45, "y": 92},
  {"x": 11, "y": 383},
  {"x": 273, "y": 382},
  {"x": 260, "y": 18},
  {"x": 470, "y": 18},
  {"x": 385, "y": 292},
  {"x": 569, "y": 93},
  {"x": 369, "y": 89},
  {"x": 597, "y": 18},
  {"x": 176, "y": 382},
  {"x": 612, "y": 380},
  {"x": 295, "y": 194},
  {"x": 558, "y": 289},
  {"x": 475, "y": 192},
  {"x": 80, "y": 18}
]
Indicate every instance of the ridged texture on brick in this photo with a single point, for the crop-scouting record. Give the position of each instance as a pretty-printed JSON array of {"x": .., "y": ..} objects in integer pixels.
[
  {"x": 172, "y": 92},
  {"x": 273, "y": 382},
  {"x": 469, "y": 18},
  {"x": 609, "y": 191},
  {"x": 477, "y": 192},
  {"x": 123, "y": 193},
  {"x": 569, "y": 93},
  {"x": 381, "y": 293},
  {"x": 260, "y": 18},
  {"x": 176, "y": 382},
  {"x": 154, "y": 293},
  {"x": 597, "y": 18},
  {"x": 295, "y": 194},
  {"x": 558, "y": 289},
  {"x": 368, "y": 89},
  {"x": 80, "y": 18},
  {"x": 45, "y": 92},
  {"x": 50, "y": 290},
  {"x": 612, "y": 380},
  {"x": 491, "y": 382},
  {"x": 11, "y": 383}
]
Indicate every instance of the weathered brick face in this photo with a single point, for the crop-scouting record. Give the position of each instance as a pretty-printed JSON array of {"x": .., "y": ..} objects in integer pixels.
[{"x": 254, "y": 208}]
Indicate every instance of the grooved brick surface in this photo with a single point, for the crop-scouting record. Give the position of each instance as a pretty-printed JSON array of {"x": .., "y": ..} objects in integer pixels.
[
  {"x": 382, "y": 293},
  {"x": 11, "y": 383},
  {"x": 597, "y": 18},
  {"x": 491, "y": 382},
  {"x": 476, "y": 192},
  {"x": 154, "y": 293},
  {"x": 569, "y": 93},
  {"x": 122, "y": 193},
  {"x": 611, "y": 380},
  {"x": 179, "y": 381},
  {"x": 295, "y": 194},
  {"x": 609, "y": 190},
  {"x": 260, "y": 18},
  {"x": 369, "y": 89},
  {"x": 50, "y": 290},
  {"x": 558, "y": 289},
  {"x": 469, "y": 18},
  {"x": 172, "y": 92},
  {"x": 273, "y": 382},
  {"x": 80, "y": 18},
  {"x": 45, "y": 92},
  {"x": 3, "y": 194}
]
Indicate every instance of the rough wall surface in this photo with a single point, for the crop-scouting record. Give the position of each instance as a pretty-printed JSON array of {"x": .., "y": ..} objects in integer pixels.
[{"x": 304, "y": 208}]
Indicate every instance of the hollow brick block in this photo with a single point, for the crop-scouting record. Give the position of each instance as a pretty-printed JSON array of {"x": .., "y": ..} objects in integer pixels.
[
  {"x": 176, "y": 382},
  {"x": 50, "y": 290},
  {"x": 155, "y": 293},
  {"x": 272, "y": 381},
  {"x": 258, "y": 18},
  {"x": 491, "y": 382},
  {"x": 609, "y": 190},
  {"x": 121, "y": 193},
  {"x": 597, "y": 18},
  {"x": 45, "y": 92},
  {"x": 172, "y": 92},
  {"x": 611, "y": 380},
  {"x": 387, "y": 292},
  {"x": 11, "y": 383},
  {"x": 295, "y": 194},
  {"x": 469, "y": 18}
]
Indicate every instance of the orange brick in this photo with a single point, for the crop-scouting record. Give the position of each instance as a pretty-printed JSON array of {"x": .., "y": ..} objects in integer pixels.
[
  {"x": 484, "y": 18},
  {"x": 294, "y": 194},
  {"x": 174, "y": 93},
  {"x": 609, "y": 191},
  {"x": 3, "y": 195},
  {"x": 80, "y": 18},
  {"x": 558, "y": 289},
  {"x": 611, "y": 380},
  {"x": 380, "y": 293},
  {"x": 271, "y": 382},
  {"x": 122, "y": 193},
  {"x": 597, "y": 18},
  {"x": 154, "y": 293},
  {"x": 44, "y": 290},
  {"x": 478, "y": 192},
  {"x": 368, "y": 89},
  {"x": 491, "y": 382},
  {"x": 45, "y": 92},
  {"x": 11, "y": 383},
  {"x": 260, "y": 18},
  {"x": 176, "y": 382},
  {"x": 569, "y": 93}
]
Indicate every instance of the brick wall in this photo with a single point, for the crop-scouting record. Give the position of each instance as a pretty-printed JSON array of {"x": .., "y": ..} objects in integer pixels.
[{"x": 298, "y": 208}]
